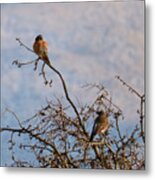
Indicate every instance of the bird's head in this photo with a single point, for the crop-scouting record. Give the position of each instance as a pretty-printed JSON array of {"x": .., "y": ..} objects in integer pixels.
[
  {"x": 39, "y": 37},
  {"x": 100, "y": 112}
]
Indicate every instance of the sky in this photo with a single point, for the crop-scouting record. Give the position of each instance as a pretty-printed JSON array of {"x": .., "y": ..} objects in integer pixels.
[{"x": 88, "y": 43}]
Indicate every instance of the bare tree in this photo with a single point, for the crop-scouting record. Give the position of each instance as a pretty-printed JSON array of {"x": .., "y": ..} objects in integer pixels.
[{"x": 57, "y": 136}]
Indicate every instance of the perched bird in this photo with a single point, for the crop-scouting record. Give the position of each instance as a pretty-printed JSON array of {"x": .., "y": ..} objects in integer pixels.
[
  {"x": 40, "y": 47},
  {"x": 101, "y": 124}
]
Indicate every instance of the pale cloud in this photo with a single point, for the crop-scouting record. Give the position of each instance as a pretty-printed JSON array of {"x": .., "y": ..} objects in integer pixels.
[{"x": 9, "y": 80}]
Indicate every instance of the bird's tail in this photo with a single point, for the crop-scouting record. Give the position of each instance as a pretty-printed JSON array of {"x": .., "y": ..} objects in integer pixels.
[
  {"x": 46, "y": 60},
  {"x": 91, "y": 137}
]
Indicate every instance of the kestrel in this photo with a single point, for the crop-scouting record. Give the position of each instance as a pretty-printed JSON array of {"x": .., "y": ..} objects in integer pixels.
[
  {"x": 40, "y": 47},
  {"x": 101, "y": 124}
]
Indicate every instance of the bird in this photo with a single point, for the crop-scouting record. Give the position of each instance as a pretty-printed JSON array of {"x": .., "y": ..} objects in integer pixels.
[
  {"x": 101, "y": 124},
  {"x": 40, "y": 47}
]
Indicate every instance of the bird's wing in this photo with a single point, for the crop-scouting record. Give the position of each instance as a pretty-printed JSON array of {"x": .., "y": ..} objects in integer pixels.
[
  {"x": 103, "y": 125},
  {"x": 94, "y": 130},
  {"x": 44, "y": 47}
]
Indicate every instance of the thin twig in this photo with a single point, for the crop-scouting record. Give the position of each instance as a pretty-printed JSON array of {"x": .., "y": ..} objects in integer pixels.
[
  {"x": 36, "y": 64},
  {"x": 19, "y": 64},
  {"x": 128, "y": 86},
  {"x": 142, "y": 118},
  {"x": 16, "y": 117},
  {"x": 43, "y": 74},
  {"x": 117, "y": 127},
  {"x": 21, "y": 44},
  {"x": 96, "y": 143}
]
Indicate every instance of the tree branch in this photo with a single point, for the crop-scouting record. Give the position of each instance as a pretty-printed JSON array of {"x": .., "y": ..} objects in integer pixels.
[{"x": 63, "y": 84}]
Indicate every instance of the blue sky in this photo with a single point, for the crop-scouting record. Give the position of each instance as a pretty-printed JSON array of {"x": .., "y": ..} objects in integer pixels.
[{"x": 88, "y": 43}]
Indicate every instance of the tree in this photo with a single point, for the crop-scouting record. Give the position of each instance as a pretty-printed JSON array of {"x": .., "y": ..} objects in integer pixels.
[{"x": 58, "y": 135}]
